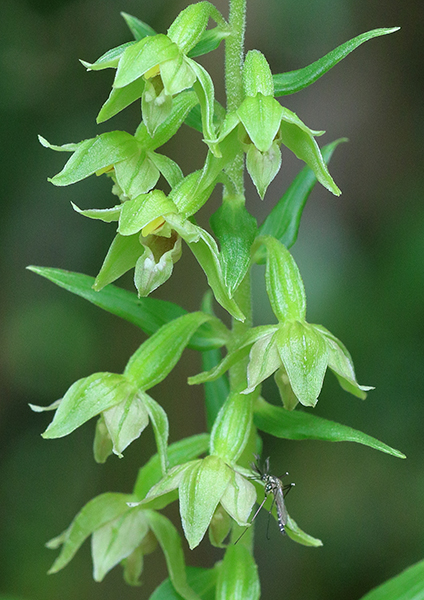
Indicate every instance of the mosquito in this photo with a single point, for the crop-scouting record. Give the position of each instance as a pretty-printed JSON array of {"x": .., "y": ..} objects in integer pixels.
[{"x": 274, "y": 486}]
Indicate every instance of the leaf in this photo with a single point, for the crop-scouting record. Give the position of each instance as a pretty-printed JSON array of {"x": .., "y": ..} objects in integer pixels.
[
  {"x": 87, "y": 398},
  {"x": 294, "y": 81},
  {"x": 147, "y": 313},
  {"x": 116, "y": 540},
  {"x": 284, "y": 219},
  {"x": 138, "y": 28},
  {"x": 96, "y": 513},
  {"x": 235, "y": 229},
  {"x": 179, "y": 452},
  {"x": 210, "y": 40},
  {"x": 170, "y": 542},
  {"x": 301, "y": 425},
  {"x": 408, "y": 585},
  {"x": 238, "y": 577},
  {"x": 158, "y": 355},
  {"x": 203, "y": 582}
]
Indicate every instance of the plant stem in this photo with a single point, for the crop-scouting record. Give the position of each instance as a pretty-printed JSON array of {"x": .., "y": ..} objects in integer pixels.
[{"x": 234, "y": 49}]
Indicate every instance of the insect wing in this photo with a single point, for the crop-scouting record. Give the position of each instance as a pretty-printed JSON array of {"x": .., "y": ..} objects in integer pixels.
[{"x": 281, "y": 507}]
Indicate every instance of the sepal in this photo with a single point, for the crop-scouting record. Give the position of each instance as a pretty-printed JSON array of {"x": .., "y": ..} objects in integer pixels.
[
  {"x": 232, "y": 427},
  {"x": 263, "y": 166},
  {"x": 257, "y": 76}
]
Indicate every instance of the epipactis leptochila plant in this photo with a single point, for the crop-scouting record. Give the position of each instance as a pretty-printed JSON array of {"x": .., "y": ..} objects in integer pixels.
[{"x": 154, "y": 213}]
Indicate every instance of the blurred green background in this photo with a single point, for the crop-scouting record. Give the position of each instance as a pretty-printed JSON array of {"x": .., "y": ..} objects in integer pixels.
[{"x": 361, "y": 256}]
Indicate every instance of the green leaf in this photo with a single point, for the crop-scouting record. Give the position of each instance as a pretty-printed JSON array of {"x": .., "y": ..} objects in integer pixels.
[
  {"x": 301, "y": 425},
  {"x": 304, "y": 354},
  {"x": 301, "y": 141},
  {"x": 160, "y": 426},
  {"x": 122, "y": 256},
  {"x": 178, "y": 453},
  {"x": 147, "y": 313},
  {"x": 119, "y": 99},
  {"x": 96, "y": 154},
  {"x": 209, "y": 41},
  {"x": 238, "y": 577},
  {"x": 294, "y": 81},
  {"x": 203, "y": 582},
  {"x": 297, "y": 535},
  {"x": 201, "y": 489},
  {"x": 235, "y": 229},
  {"x": 158, "y": 355},
  {"x": 170, "y": 542},
  {"x": 216, "y": 392},
  {"x": 87, "y": 398},
  {"x": 408, "y": 585},
  {"x": 284, "y": 219},
  {"x": 116, "y": 540},
  {"x": 138, "y": 28},
  {"x": 96, "y": 513}
]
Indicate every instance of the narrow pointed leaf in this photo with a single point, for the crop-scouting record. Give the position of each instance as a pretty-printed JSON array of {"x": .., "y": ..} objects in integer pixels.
[
  {"x": 284, "y": 219},
  {"x": 147, "y": 313},
  {"x": 294, "y": 81},
  {"x": 152, "y": 362},
  {"x": 96, "y": 513},
  {"x": 138, "y": 28},
  {"x": 408, "y": 585},
  {"x": 170, "y": 543},
  {"x": 302, "y": 425}
]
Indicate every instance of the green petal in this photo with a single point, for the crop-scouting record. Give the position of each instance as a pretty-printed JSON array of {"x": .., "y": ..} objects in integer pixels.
[
  {"x": 189, "y": 25},
  {"x": 257, "y": 76},
  {"x": 109, "y": 59},
  {"x": 142, "y": 56},
  {"x": 239, "y": 498},
  {"x": 261, "y": 116},
  {"x": 263, "y": 166},
  {"x": 136, "y": 175},
  {"x": 96, "y": 513},
  {"x": 87, "y": 398},
  {"x": 160, "y": 426},
  {"x": 177, "y": 75},
  {"x": 297, "y": 535},
  {"x": 102, "y": 445},
  {"x": 155, "y": 266},
  {"x": 304, "y": 354},
  {"x": 142, "y": 210},
  {"x": 232, "y": 428},
  {"x": 264, "y": 360},
  {"x": 108, "y": 215},
  {"x": 119, "y": 99},
  {"x": 300, "y": 140},
  {"x": 138, "y": 28},
  {"x": 116, "y": 540},
  {"x": 120, "y": 258},
  {"x": 126, "y": 421},
  {"x": 206, "y": 94},
  {"x": 200, "y": 491}
]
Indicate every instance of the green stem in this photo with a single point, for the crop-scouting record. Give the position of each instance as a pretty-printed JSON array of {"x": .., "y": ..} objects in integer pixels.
[{"x": 234, "y": 50}]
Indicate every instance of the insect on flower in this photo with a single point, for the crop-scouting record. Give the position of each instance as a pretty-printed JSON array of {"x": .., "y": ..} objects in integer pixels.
[{"x": 274, "y": 486}]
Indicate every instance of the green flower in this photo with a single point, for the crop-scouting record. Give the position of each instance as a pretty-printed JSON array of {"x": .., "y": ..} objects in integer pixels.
[
  {"x": 264, "y": 125},
  {"x": 204, "y": 485}
]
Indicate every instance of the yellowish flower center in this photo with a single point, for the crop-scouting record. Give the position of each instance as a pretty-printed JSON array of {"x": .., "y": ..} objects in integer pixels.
[
  {"x": 152, "y": 226},
  {"x": 152, "y": 72}
]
